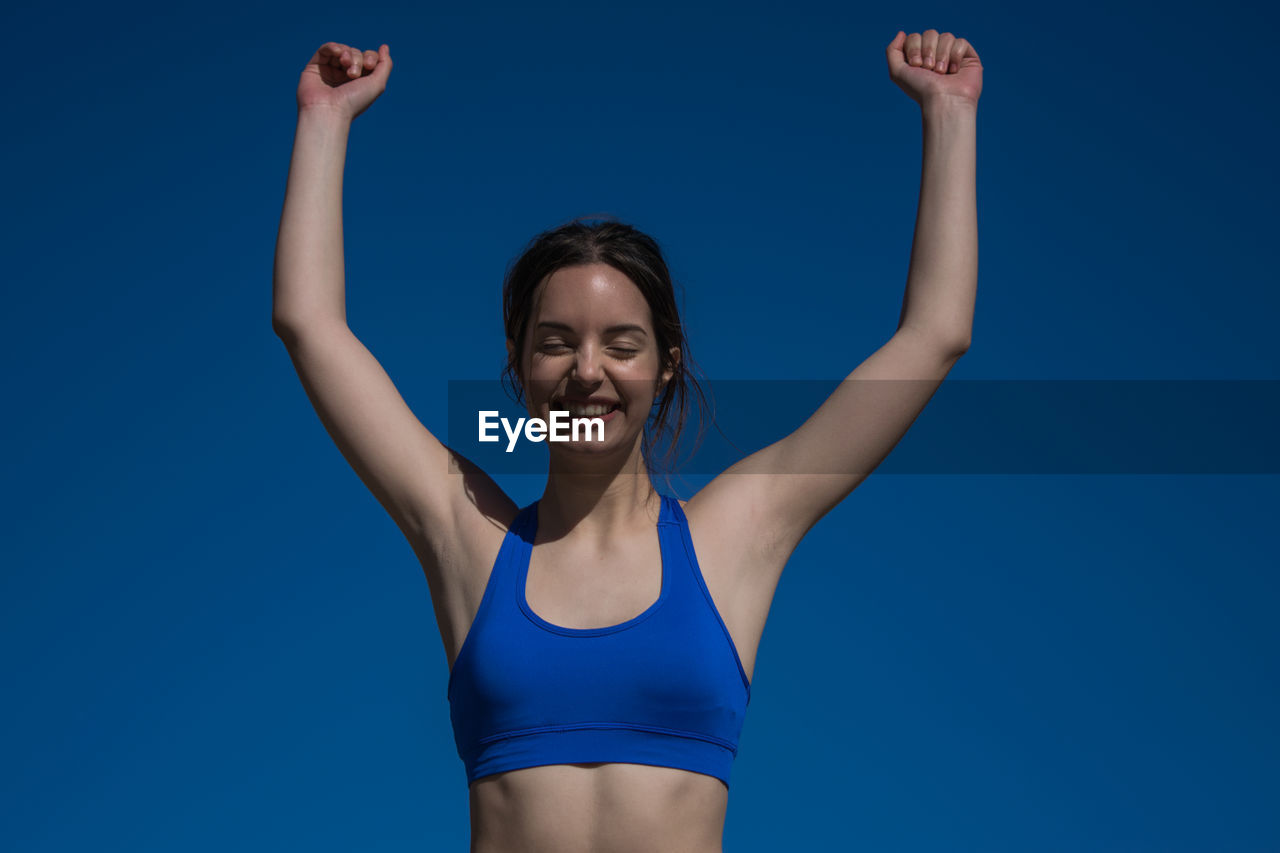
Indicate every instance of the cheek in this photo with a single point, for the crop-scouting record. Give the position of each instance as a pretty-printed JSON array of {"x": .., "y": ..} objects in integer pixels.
[
  {"x": 643, "y": 380},
  {"x": 542, "y": 379}
]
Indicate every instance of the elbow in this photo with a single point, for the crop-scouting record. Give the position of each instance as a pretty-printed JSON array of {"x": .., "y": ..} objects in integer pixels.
[
  {"x": 950, "y": 343},
  {"x": 287, "y": 331},
  {"x": 283, "y": 330},
  {"x": 954, "y": 342},
  {"x": 292, "y": 329}
]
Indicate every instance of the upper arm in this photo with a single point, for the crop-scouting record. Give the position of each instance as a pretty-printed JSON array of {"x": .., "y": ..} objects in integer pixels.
[
  {"x": 800, "y": 478},
  {"x": 422, "y": 484}
]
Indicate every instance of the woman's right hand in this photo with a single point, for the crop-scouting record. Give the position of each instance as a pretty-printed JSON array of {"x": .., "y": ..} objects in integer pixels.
[{"x": 343, "y": 78}]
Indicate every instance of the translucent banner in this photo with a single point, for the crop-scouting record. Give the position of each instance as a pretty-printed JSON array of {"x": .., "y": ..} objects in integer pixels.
[{"x": 965, "y": 427}]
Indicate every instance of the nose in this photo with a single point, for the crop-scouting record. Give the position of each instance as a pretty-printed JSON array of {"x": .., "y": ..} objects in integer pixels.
[{"x": 587, "y": 368}]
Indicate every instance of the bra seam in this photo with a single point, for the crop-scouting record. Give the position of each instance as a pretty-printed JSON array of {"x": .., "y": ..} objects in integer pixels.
[{"x": 606, "y": 724}]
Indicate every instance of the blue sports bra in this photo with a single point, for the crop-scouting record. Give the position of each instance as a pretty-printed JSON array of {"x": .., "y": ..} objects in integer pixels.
[{"x": 665, "y": 688}]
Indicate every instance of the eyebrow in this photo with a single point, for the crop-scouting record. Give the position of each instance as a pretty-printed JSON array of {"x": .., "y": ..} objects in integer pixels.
[{"x": 621, "y": 327}]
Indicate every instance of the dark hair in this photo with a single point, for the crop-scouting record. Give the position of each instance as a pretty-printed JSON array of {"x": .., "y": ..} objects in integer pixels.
[{"x": 638, "y": 257}]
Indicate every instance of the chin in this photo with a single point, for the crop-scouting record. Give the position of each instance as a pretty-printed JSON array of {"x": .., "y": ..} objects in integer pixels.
[{"x": 587, "y": 447}]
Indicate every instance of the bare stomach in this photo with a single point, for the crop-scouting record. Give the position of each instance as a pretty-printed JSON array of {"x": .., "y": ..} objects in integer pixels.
[{"x": 597, "y": 808}]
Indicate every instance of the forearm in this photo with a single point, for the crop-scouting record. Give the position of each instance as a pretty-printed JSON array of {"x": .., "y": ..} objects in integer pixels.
[
  {"x": 942, "y": 281},
  {"x": 309, "y": 276}
]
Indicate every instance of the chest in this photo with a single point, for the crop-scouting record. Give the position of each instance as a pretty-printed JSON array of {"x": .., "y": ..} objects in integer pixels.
[
  {"x": 585, "y": 588},
  {"x": 580, "y": 589}
]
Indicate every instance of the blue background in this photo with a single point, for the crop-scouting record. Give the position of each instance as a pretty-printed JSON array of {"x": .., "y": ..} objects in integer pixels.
[{"x": 214, "y": 637}]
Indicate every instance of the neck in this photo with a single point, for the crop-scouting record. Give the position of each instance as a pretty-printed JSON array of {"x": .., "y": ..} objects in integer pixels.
[{"x": 599, "y": 499}]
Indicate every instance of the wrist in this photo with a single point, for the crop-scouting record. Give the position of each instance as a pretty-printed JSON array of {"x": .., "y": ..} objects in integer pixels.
[
  {"x": 943, "y": 106},
  {"x": 330, "y": 113},
  {"x": 947, "y": 105}
]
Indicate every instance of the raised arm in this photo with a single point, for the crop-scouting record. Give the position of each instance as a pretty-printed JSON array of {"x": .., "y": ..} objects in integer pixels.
[
  {"x": 397, "y": 458},
  {"x": 803, "y": 476}
]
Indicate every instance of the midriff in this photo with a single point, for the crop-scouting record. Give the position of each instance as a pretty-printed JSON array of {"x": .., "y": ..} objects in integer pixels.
[{"x": 597, "y": 808}]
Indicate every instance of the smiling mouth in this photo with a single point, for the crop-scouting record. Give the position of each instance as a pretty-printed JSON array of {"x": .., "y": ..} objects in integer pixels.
[{"x": 587, "y": 410}]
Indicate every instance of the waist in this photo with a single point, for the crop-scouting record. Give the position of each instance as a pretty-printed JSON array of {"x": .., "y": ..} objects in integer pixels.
[{"x": 597, "y": 807}]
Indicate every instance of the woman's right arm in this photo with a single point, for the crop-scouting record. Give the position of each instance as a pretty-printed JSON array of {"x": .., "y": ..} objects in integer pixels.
[{"x": 398, "y": 459}]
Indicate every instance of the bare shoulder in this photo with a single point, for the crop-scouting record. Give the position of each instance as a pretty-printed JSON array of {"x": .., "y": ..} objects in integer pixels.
[
  {"x": 731, "y": 516},
  {"x": 458, "y": 549},
  {"x": 741, "y": 553},
  {"x": 740, "y": 544},
  {"x": 478, "y": 514}
]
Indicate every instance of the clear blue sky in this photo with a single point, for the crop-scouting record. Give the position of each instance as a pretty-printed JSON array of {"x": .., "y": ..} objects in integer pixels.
[{"x": 215, "y": 638}]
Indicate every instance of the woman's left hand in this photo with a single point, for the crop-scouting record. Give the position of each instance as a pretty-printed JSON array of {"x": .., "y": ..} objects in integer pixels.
[{"x": 929, "y": 66}]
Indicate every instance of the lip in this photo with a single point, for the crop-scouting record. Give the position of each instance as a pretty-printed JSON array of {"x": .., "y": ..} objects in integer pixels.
[
  {"x": 586, "y": 401},
  {"x": 590, "y": 401}
]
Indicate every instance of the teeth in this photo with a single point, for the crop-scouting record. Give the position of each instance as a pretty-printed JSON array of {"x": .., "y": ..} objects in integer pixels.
[{"x": 586, "y": 411}]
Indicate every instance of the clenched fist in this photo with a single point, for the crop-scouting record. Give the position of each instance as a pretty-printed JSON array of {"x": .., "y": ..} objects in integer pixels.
[
  {"x": 928, "y": 66},
  {"x": 343, "y": 78}
]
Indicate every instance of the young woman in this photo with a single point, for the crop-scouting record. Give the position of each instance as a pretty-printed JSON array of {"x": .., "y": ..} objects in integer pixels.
[{"x": 601, "y": 640}]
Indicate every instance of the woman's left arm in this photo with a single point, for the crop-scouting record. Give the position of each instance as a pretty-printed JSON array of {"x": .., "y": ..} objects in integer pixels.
[{"x": 819, "y": 464}]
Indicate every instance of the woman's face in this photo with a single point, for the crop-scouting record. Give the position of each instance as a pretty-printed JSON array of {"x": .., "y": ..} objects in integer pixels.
[{"x": 590, "y": 350}]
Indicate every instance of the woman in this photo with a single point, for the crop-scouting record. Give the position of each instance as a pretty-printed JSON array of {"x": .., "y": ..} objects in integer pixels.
[{"x": 599, "y": 673}]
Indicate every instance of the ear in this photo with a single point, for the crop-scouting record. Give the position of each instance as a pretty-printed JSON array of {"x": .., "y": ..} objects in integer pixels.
[{"x": 674, "y": 354}]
